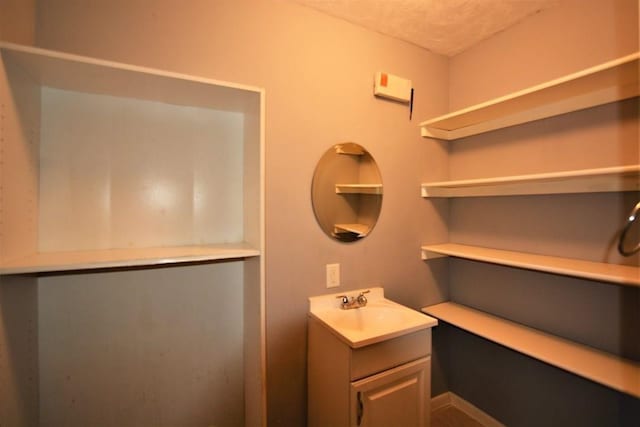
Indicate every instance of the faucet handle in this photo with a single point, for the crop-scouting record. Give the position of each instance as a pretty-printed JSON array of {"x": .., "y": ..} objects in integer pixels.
[
  {"x": 344, "y": 298},
  {"x": 362, "y": 300}
]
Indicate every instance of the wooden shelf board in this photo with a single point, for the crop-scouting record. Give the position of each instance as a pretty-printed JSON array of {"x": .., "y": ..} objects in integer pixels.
[
  {"x": 609, "y": 179},
  {"x": 133, "y": 257},
  {"x": 612, "y": 81},
  {"x": 360, "y": 229},
  {"x": 358, "y": 188},
  {"x": 612, "y": 273},
  {"x": 84, "y": 74},
  {"x": 598, "y": 366}
]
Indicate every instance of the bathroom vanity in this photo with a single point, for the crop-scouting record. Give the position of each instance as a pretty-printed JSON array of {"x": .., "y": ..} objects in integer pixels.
[{"x": 368, "y": 366}]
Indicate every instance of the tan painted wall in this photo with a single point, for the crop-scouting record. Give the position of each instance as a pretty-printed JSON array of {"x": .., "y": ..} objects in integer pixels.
[
  {"x": 19, "y": 351},
  {"x": 570, "y": 36},
  {"x": 18, "y": 295},
  {"x": 318, "y": 74},
  {"x": 17, "y": 21},
  {"x": 142, "y": 347},
  {"x": 518, "y": 391}
]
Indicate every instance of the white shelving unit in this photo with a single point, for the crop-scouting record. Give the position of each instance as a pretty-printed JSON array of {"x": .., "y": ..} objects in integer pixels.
[
  {"x": 358, "y": 188},
  {"x": 122, "y": 168},
  {"x": 611, "y": 179},
  {"x": 612, "y": 273},
  {"x": 609, "y": 82},
  {"x": 598, "y": 366}
]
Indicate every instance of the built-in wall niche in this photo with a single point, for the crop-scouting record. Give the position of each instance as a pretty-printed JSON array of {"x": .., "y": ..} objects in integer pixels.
[
  {"x": 131, "y": 209},
  {"x": 118, "y": 172},
  {"x": 106, "y": 164}
]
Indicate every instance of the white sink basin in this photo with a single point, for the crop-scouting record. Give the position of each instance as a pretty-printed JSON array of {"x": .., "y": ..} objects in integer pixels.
[{"x": 379, "y": 320}]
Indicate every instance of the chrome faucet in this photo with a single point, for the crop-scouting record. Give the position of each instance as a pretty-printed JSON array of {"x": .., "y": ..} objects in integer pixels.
[{"x": 348, "y": 303}]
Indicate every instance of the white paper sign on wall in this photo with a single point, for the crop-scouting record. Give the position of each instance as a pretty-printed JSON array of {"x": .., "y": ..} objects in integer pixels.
[{"x": 393, "y": 87}]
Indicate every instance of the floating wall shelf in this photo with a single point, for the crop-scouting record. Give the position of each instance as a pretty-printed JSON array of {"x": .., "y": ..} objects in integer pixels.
[
  {"x": 595, "y": 365},
  {"x": 358, "y": 188},
  {"x": 613, "y": 273},
  {"x": 618, "y": 178},
  {"x": 609, "y": 82}
]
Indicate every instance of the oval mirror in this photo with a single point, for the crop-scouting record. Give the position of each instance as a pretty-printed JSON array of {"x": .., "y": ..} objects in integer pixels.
[{"x": 346, "y": 192}]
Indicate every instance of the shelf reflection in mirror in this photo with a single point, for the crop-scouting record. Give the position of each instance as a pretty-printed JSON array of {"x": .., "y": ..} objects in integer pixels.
[{"x": 346, "y": 192}]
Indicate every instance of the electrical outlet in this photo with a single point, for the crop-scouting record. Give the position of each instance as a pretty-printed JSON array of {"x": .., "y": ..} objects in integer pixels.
[{"x": 333, "y": 275}]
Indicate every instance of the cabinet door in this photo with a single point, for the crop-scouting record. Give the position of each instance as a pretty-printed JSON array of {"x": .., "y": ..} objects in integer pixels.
[{"x": 397, "y": 397}]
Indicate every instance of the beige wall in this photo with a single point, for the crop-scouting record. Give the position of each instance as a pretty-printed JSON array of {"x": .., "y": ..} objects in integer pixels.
[
  {"x": 317, "y": 72},
  {"x": 18, "y": 295},
  {"x": 570, "y": 36},
  {"x": 519, "y": 391},
  {"x": 157, "y": 346},
  {"x": 19, "y": 351},
  {"x": 17, "y": 23}
]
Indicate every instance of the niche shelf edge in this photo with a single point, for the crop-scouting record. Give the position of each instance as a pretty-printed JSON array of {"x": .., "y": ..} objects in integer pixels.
[{"x": 44, "y": 262}]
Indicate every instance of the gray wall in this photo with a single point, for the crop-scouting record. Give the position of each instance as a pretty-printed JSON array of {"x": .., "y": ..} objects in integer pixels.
[
  {"x": 19, "y": 373},
  {"x": 158, "y": 346}
]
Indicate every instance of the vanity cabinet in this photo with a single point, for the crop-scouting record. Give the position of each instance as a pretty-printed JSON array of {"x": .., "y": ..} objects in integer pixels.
[
  {"x": 393, "y": 397},
  {"x": 381, "y": 384}
]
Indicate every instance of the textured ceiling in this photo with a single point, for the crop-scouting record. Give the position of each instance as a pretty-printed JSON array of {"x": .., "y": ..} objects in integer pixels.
[{"x": 446, "y": 27}]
